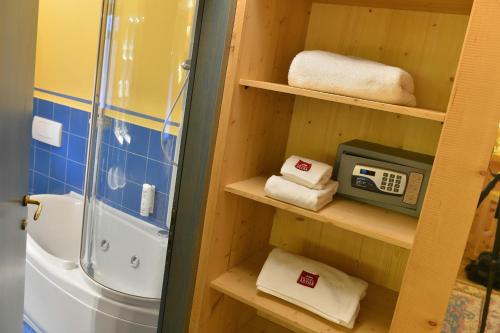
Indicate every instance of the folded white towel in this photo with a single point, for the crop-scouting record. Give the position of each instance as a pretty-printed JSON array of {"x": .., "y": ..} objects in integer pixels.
[
  {"x": 313, "y": 286},
  {"x": 295, "y": 194},
  {"x": 306, "y": 172},
  {"x": 350, "y": 76}
]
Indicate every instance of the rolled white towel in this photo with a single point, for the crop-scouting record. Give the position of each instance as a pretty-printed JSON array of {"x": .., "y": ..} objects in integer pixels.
[
  {"x": 284, "y": 190},
  {"x": 350, "y": 76},
  {"x": 306, "y": 172},
  {"x": 312, "y": 285}
]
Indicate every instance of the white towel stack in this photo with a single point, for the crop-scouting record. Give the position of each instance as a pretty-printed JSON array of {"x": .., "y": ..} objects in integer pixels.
[
  {"x": 306, "y": 172},
  {"x": 305, "y": 183},
  {"x": 313, "y": 286},
  {"x": 284, "y": 190},
  {"x": 351, "y": 76}
]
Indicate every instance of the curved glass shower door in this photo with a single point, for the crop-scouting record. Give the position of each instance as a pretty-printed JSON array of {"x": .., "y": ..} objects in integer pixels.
[{"x": 144, "y": 70}]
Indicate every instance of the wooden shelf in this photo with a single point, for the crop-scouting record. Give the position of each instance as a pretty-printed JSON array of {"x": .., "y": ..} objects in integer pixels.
[
  {"x": 376, "y": 312},
  {"x": 443, "y": 6},
  {"x": 262, "y": 325},
  {"x": 378, "y": 223},
  {"x": 399, "y": 109}
]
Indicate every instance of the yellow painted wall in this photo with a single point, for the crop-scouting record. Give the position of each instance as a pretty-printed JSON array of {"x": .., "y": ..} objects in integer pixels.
[
  {"x": 151, "y": 38},
  {"x": 67, "y": 40}
]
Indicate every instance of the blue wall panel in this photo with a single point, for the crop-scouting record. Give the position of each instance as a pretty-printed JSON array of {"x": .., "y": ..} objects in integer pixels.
[{"x": 133, "y": 161}]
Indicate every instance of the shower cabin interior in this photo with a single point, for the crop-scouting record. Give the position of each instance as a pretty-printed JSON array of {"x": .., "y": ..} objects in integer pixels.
[{"x": 137, "y": 119}]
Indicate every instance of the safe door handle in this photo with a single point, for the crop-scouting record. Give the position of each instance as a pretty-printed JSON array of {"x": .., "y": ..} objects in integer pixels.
[{"x": 28, "y": 201}]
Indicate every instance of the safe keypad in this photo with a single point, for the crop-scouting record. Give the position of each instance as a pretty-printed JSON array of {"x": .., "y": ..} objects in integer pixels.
[{"x": 391, "y": 182}]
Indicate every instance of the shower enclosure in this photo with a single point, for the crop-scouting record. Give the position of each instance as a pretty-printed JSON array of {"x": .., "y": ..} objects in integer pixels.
[{"x": 142, "y": 78}]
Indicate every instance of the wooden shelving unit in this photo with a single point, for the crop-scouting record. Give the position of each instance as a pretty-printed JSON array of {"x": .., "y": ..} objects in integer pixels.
[
  {"x": 452, "y": 53},
  {"x": 399, "y": 109},
  {"x": 239, "y": 283},
  {"x": 378, "y": 223}
]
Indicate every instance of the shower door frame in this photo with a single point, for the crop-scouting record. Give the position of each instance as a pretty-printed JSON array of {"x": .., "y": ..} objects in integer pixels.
[{"x": 211, "y": 45}]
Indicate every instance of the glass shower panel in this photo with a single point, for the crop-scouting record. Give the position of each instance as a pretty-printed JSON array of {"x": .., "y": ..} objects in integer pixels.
[{"x": 144, "y": 73}]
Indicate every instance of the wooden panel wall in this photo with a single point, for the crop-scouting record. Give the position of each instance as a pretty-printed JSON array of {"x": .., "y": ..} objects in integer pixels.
[
  {"x": 428, "y": 46},
  {"x": 425, "y": 44},
  {"x": 352, "y": 253}
]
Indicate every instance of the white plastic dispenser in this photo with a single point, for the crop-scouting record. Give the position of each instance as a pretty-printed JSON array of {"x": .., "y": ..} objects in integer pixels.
[
  {"x": 47, "y": 131},
  {"x": 147, "y": 199}
]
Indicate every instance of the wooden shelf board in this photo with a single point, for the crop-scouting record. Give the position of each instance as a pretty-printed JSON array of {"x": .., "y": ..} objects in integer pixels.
[
  {"x": 440, "y": 6},
  {"x": 376, "y": 312},
  {"x": 399, "y": 109},
  {"x": 378, "y": 223},
  {"x": 262, "y": 325}
]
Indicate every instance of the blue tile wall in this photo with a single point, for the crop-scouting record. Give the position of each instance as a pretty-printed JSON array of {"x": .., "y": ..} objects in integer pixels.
[
  {"x": 59, "y": 170},
  {"x": 124, "y": 165},
  {"x": 136, "y": 159}
]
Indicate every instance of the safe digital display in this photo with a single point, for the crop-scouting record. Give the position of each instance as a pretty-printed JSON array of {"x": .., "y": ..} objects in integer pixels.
[{"x": 367, "y": 172}]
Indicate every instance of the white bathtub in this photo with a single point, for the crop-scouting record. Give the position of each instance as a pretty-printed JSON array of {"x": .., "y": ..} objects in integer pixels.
[{"x": 61, "y": 298}]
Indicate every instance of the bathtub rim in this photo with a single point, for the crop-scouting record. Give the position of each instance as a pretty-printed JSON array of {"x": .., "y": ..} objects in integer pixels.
[
  {"x": 76, "y": 283},
  {"x": 116, "y": 295}
]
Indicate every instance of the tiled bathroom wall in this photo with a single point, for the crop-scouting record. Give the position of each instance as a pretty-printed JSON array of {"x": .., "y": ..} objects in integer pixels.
[
  {"x": 127, "y": 164},
  {"x": 60, "y": 170},
  {"x": 131, "y": 156}
]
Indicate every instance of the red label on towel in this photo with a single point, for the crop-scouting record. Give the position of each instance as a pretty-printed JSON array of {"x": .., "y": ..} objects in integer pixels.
[
  {"x": 308, "y": 279},
  {"x": 303, "y": 166}
]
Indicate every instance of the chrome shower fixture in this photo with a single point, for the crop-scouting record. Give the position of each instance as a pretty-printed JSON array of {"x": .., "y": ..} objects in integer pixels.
[{"x": 185, "y": 65}]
